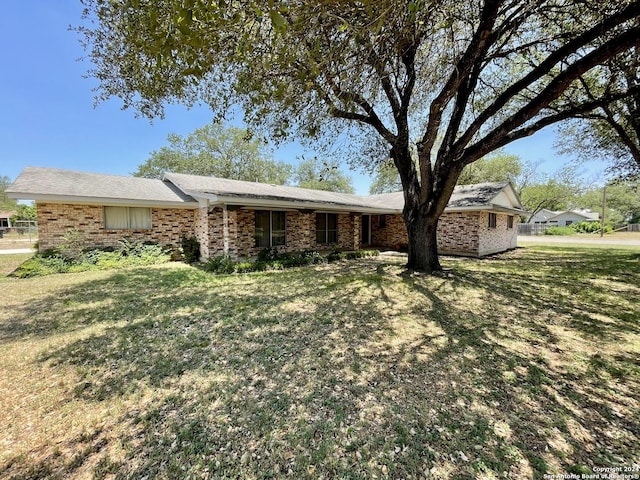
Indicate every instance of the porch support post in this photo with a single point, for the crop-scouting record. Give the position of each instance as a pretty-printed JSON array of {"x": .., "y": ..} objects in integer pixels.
[
  {"x": 225, "y": 230},
  {"x": 357, "y": 225},
  {"x": 202, "y": 228}
]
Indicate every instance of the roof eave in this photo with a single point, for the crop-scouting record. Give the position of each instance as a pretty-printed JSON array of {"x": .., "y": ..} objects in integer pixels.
[
  {"x": 294, "y": 204},
  {"x": 487, "y": 207},
  {"x": 76, "y": 200}
]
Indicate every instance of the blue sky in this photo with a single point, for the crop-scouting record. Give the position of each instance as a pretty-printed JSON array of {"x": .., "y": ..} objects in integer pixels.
[{"x": 48, "y": 116}]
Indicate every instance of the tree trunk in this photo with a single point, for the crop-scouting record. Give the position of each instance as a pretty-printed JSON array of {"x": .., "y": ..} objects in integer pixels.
[{"x": 423, "y": 241}]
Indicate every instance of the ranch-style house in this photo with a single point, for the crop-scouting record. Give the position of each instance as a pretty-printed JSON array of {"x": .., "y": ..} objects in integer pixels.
[{"x": 239, "y": 219}]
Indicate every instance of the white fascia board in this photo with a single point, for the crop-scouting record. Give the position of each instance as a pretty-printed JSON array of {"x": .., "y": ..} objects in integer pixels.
[
  {"x": 269, "y": 204},
  {"x": 73, "y": 200},
  {"x": 203, "y": 198},
  {"x": 488, "y": 207}
]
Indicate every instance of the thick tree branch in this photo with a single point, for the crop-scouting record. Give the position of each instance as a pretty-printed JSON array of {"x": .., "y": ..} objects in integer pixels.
[
  {"x": 476, "y": 49},
  {"x": 623, "y": 134},
  {"x": 547, "y": 64},
  {"x": 481, "y": 148}
]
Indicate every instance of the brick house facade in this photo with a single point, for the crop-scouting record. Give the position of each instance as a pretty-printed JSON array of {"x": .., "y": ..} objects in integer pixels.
[{"x": 225, "y": 215}]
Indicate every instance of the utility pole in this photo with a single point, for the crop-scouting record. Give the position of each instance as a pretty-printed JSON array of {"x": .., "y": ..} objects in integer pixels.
[{"x": 604, "y": 205}]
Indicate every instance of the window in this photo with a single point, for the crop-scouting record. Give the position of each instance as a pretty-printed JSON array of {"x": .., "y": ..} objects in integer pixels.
[
  {"x": 493, "y": 220},
  {"x": 510, "y": 222},
  {"x": 270, "y": 228},
  {"x": 326, "y": 227},
  {"x": 120, "y": 218}
]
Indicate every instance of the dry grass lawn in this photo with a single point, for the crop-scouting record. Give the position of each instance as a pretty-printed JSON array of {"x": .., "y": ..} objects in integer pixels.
[{"x": 511, "y": 367}]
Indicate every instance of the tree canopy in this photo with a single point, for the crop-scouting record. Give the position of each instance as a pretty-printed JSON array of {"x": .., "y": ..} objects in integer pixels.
[
  {"x": 497, "y": 167},
  {"x": 317, "y": 175},
  {"x": 216, "y": 150},
  {"x": 6, "y": 203},
  {"x": 612, "y": 132},
  {"x": 622, "y": 201},
  {"x": 386, "y": 179},
  {"x": 441, "y": 83}
]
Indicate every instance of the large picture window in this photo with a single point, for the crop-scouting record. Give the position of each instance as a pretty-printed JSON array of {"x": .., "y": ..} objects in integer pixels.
[
  {"x": 270, "y": 228},
  {"x": 326, "y": 228},
  {"x": 132, "y": 218}
]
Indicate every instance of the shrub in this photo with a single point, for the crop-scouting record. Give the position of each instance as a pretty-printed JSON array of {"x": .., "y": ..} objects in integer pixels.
[
  {"x": 222, "y": 264},
  {"x": 590, "y": 227},
  {"x": 126, "y": 255},
  {"x": 279, "y": 261},
  {"x": 39, "y": 266},
  {"x": 190, "y": 249},
  {"x": 245, "y": 267},
  {"x": 351, "y": 255},
  {"x": 268, "y": 254},
  {"x": 559, "y": 231}
]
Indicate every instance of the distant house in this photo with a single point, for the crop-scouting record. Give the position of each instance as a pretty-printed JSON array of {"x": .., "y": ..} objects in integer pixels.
[
  {"x": 5, "y": 219},
  {"x": 566, "y": 218},
  {"x": 563, "y": 218},
  {"x": 542, "y": 216},
  {"x": 241, "y": 218}
]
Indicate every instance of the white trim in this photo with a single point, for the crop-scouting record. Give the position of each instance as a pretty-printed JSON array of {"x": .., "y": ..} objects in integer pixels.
[
  {"x": 266, "y": 204},
  {"x": 108, "y": 202}
]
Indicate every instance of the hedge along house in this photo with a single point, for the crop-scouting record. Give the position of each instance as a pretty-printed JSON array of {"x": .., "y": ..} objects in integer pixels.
[{"x": 240, "y": 219}]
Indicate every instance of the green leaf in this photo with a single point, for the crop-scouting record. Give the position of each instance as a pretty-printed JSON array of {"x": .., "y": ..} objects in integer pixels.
[{"x": 277, "y": 20}]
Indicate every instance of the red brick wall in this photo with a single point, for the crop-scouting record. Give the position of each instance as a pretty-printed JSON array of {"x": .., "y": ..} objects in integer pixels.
[
  {"x": 300, "y": 232},
  {"x": 459, "y": 233},
  {"x": 55, "y": 220}
]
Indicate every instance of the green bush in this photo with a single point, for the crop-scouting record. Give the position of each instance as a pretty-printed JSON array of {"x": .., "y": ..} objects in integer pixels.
[
  {"x": 280, "y": 261},
  {"x": 127, "y": 254},
  {"x": 222, "y": 264},
  {"x": 190, "y": 249},
  {"x": 40, "y": 265},
  {"x": 590, "y": 227},
  {"x": 268, "y": 254},
  {"x": 245, "y": 267},
  {"x": 559, "y": 231},
  {"x": 351, "y": 255}
]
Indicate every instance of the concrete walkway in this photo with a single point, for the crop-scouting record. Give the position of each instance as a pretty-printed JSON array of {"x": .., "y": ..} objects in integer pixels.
[{"x": 16, "y": 250}]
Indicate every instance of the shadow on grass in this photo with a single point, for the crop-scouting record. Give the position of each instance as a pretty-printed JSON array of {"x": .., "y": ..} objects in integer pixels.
[{"x": 356, "y": 370}]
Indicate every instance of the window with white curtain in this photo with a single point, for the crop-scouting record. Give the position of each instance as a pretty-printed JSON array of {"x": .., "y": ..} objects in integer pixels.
[{"x": 132, "y": 218}]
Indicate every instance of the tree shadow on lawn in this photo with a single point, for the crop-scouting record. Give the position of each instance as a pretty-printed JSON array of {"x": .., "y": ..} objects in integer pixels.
[{"x": 347, "y": 371}]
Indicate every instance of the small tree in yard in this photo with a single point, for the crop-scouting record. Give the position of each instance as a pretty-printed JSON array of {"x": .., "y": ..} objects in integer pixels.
[{"x": 450, "y": 81}]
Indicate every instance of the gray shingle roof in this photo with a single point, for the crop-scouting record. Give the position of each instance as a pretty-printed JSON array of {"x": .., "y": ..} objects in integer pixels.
[
  {"x": 36, "y": 182},
  {"x": 179, "y": 189},
  {"x": 478, "y": 195},
  {"x": 223, "y": 187}
]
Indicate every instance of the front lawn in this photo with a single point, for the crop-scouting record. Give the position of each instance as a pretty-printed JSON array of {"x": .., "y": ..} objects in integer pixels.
[{"x": 510, "y": 367}]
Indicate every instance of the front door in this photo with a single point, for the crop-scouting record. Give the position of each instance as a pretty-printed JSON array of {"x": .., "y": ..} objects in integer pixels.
[{"x": 365, "y": 238}]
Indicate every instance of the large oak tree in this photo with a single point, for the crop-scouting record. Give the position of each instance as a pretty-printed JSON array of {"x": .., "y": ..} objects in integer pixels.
[{"x": 441, "y": 82}]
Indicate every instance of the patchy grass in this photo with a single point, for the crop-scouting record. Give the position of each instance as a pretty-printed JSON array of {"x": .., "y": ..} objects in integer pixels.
[{"x": 512, "y": 367}]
